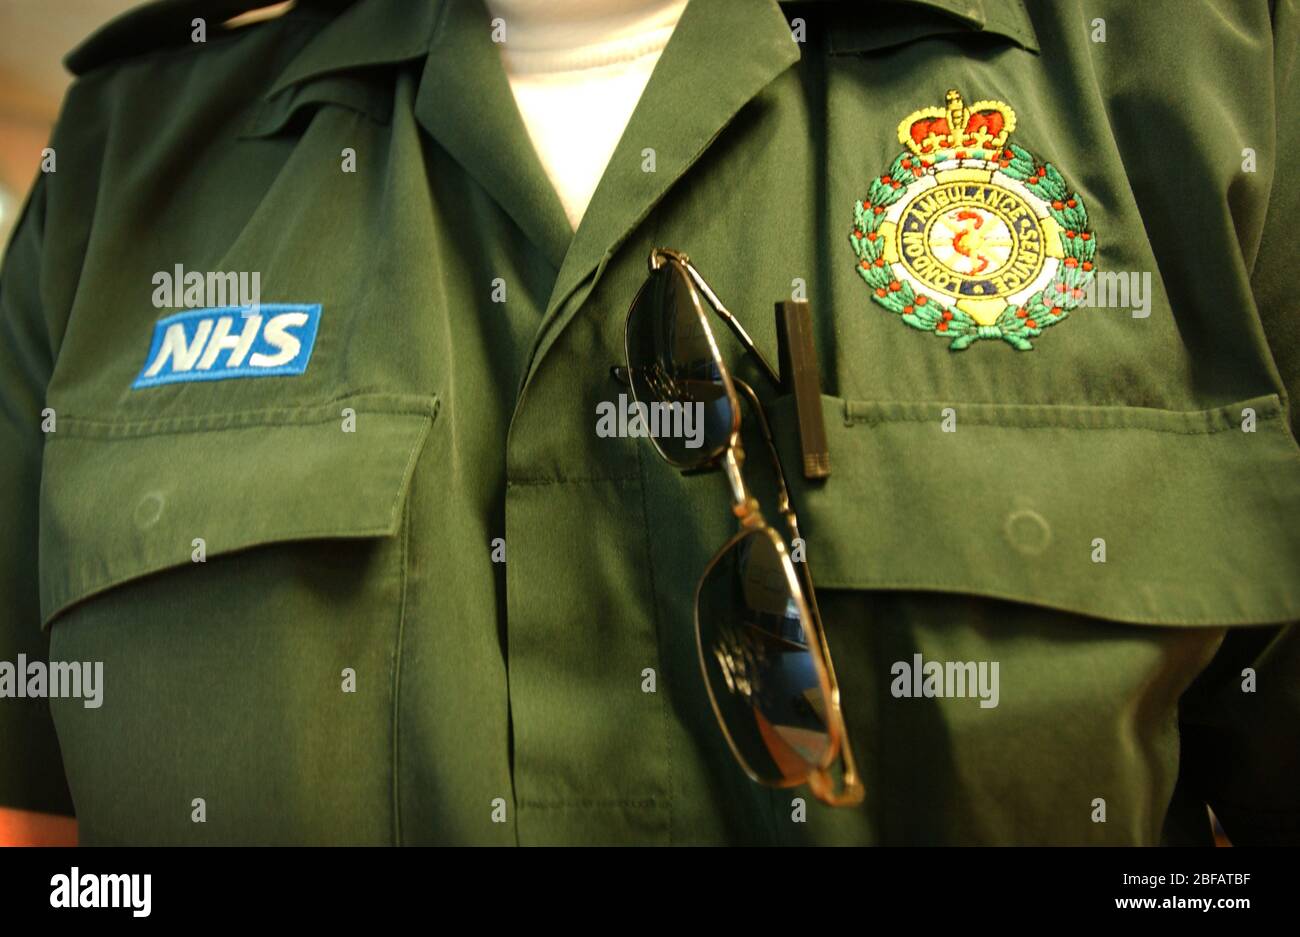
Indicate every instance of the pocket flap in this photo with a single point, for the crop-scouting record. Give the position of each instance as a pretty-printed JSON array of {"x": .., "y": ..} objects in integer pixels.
[
  {"x": 282, "y": 110},
  {"x": 122, "y": 500},
  {"x": 1198, "y": 518}
]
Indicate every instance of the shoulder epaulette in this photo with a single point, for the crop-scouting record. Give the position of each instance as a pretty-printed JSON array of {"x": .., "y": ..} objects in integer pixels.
[{"x": 160, "y": 25}]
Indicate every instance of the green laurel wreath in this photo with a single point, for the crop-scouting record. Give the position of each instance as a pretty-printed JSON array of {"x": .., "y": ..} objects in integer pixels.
[{"x": 1016, "y": 324}]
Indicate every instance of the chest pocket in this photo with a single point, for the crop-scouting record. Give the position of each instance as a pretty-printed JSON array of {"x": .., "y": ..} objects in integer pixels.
[
  {"x": 1128, "y": 514},
  {"x": 120, "y": 501}
]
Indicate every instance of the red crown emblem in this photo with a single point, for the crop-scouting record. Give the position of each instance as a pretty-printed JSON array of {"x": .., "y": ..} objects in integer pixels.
[{"x": 985, "y": 125}]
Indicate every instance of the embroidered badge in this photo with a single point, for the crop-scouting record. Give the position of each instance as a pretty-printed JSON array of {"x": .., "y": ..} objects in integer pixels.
[
  {"x": 969, "y": 236},
  {"x": 229, "y": 342}
]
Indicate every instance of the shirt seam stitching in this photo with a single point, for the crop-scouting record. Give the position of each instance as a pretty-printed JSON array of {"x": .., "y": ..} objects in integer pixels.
[
  {"x": 650, "y": 804},
  {"x": 576, "y": 480},
  {"x": 851, "y": 420},
  {"x": 397, "y": 679},
  {"x": 658, "y": 626}
]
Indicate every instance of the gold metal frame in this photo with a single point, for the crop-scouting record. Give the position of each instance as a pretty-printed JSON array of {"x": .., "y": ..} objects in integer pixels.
[{"x": 745, "y": 507}]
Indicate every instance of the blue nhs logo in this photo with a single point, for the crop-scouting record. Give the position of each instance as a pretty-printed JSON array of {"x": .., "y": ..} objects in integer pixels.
[{"x": 218, "y": 344}]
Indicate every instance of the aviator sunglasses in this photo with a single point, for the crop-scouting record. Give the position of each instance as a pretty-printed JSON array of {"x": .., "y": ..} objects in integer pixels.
[{"x": 762, "y": 649}]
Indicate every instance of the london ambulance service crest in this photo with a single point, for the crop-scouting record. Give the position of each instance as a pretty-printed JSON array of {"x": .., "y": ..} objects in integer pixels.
[{"x": 970, "y": 236}]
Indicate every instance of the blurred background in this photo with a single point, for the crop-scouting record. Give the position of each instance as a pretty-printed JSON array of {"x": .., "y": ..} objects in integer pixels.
[{"x": 34, "y": 37}]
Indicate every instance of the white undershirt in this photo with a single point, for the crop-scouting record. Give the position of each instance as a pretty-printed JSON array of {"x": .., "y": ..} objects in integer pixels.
[{"x": 577, "y": 69}]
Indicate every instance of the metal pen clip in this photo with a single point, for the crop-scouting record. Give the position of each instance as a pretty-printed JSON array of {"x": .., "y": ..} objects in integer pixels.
[{"x": 801, "y": 377}]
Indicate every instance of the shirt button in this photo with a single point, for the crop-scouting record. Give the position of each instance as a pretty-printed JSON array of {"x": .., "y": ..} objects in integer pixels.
[
  {"x": 1028, "y": 531},
  {"x": 148, "y": 510}
]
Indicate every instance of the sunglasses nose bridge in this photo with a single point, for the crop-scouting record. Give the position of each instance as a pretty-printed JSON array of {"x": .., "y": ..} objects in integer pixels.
[
  {"x": 661, "y": 255},
  {"x": 743, "y": 504}
]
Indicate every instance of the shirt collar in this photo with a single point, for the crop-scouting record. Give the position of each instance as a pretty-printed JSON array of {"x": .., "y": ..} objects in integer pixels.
[
  {"x": 465, "y": 102},
  {"x": 384, "y": 32},
  {"x": 367, "y": 33}
]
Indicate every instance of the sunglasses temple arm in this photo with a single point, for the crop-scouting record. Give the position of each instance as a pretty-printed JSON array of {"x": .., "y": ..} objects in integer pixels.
[
  {"x": 783, "y": 492},
  {"x": 734, "y": 324},
  {"x": 852, "y": 792},
  {"x": 620, "y": 374}
]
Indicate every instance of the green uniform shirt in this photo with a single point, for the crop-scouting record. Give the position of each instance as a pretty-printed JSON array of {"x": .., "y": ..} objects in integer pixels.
[{"x": 467, "y": 333}]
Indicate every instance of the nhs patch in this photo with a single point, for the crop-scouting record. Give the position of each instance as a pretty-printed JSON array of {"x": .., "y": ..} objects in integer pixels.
[{"x": 232, "y": 341}]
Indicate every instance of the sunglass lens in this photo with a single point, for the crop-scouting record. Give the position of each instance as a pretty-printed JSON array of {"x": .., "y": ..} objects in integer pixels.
[
  {"x": 754, "y": 647},
  {"x": 675, "y": 374}
]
